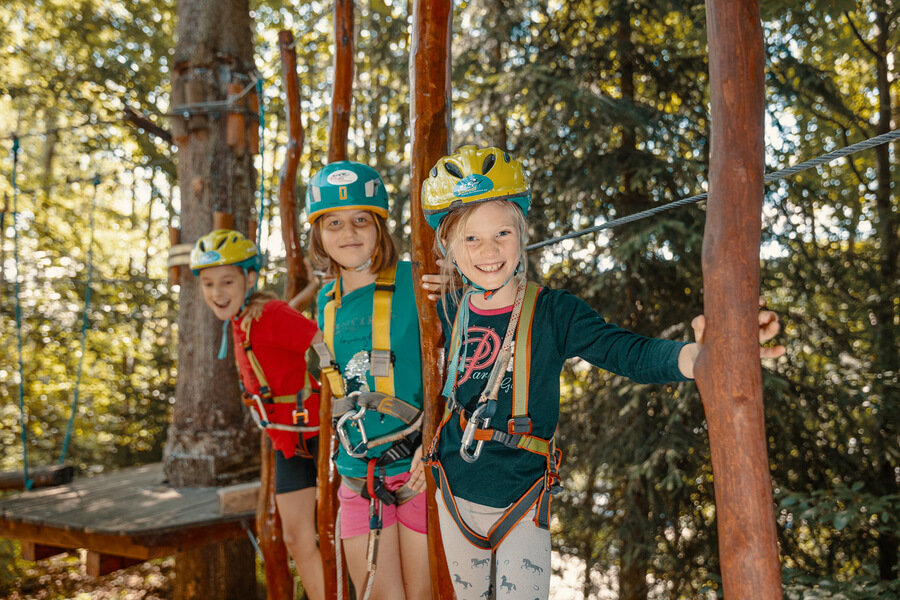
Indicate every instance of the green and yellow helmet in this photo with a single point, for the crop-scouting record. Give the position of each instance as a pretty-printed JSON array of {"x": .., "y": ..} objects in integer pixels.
[
  {"x": 344, "y": 185},
  {"x": 225, "y": 247},
  {"x": 472, "y": 175}
]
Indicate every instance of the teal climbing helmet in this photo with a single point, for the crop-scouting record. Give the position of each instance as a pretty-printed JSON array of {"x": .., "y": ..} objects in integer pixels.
[{"x": 343, "y": 185}]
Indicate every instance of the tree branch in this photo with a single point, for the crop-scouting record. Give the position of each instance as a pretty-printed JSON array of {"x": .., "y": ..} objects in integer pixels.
[{"x": 129, "y": 115}]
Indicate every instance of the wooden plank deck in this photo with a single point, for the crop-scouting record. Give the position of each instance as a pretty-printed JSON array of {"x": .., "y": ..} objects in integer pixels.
[{"x": 129, "y": 513}]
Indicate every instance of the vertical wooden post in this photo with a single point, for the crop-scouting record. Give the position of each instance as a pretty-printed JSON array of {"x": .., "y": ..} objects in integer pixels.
[
  {"x": 279, "y": 579},
  {"x": 728, "y": 371},
  {"x": 342, "y": 90},
  {"x": 429, "y": 75},
  {"x": 287, "y": 183},
  {"x": 327, "y": 501}
]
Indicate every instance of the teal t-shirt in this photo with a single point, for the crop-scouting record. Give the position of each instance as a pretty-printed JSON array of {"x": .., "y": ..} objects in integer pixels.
[
  {"x": 353, "y": 342},
  {"x": 563, "y": 327}
]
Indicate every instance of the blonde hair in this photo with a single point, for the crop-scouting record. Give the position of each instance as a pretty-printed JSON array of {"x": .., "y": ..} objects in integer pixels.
[
  {"x": 450, "y": 234},
  {"x": 259, "y": 299},
  {"x": 386, "y": 254}
]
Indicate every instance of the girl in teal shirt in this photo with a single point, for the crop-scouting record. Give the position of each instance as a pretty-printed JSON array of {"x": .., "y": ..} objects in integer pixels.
[{"x": 372, "y": 359}]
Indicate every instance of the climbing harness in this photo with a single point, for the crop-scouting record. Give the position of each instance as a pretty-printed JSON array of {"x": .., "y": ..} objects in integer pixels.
[
  {"x": 350, "y": 410},
  {"x": 515, "y": 356},
  {"x": 270, "y": 412}
]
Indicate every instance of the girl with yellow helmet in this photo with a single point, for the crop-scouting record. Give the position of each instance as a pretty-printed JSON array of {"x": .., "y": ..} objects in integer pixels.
[
  {"x": 372, "y": 360},
  {"x": 507, "y": 341},
  {"x": 283, "y": 397}
]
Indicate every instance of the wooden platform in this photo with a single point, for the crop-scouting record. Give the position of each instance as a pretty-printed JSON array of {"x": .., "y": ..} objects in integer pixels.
[{"x": 129, "y": 515}]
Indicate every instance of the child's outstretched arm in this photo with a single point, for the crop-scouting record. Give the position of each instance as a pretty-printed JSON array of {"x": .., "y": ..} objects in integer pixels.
[
  {"x": 768, "y": 329},
  {"x": 305, "y": 296}
]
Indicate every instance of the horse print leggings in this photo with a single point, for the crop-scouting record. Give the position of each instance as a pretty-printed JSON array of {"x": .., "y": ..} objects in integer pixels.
[{"x": 522, "y": 562}]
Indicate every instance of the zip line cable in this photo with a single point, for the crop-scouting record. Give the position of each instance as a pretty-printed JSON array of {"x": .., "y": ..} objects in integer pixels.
[
  {"x": 22, "y": 418},
  {"x": 84, "y": 326},
  {"x": 775, "y": 176}
]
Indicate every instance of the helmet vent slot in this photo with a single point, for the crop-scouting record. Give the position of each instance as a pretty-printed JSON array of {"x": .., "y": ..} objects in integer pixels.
[
  {"x": 488, "y": 163},
  {"x": 453, "y": 170},
  {"x": 221, "y": 243}
]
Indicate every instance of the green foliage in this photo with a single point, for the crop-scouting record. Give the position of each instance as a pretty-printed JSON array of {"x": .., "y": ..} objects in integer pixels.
[{"x": 607, "y": 100}]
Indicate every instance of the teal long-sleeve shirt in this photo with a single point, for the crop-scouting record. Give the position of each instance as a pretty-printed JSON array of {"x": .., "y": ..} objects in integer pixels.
[{"x": 564, "y": 327}]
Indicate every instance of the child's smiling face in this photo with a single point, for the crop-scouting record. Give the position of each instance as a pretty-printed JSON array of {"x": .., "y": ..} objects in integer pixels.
[
  {"x": 349, "y": 237},
  {"x": 489, "y": 247},
  {"x": 224, "y": 289}
]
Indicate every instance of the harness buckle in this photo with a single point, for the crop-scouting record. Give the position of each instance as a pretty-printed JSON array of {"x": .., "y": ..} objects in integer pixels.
[
  {"x": 519, "y": 425},
  {"x": 300, "y": 412},
  {"x": 380, "y": 363},
  {"x": 468, "y": 437},
  {"x": 344, "y": 437}
]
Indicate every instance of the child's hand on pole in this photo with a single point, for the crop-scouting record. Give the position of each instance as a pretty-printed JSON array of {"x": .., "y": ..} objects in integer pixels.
[
  {"x": 417, "y": 472},
  {"x": 432, "y": 283},
  {"x": 768, "y": 329}
]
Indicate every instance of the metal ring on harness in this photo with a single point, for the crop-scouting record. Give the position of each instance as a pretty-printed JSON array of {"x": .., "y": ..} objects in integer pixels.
[
  {"x": 344, "y": 437},
  {"x": 469, "y": 434},
  {"x": 264, "y": 424}
]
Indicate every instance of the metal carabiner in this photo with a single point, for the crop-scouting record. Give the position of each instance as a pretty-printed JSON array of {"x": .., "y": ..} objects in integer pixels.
[
  {"x": 344, "y": 437},
  {"x": 469, "y": 435}
]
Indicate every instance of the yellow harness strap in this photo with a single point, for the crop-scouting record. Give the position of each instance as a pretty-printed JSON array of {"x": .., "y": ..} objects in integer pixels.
[
  {"x": 330, "y": 371},
  {"x": 381, "y": 360}
]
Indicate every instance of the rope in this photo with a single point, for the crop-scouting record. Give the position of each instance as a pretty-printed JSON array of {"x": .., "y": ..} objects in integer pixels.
[
  {"x": 22, "y": 417},
  {"x": 84, "y": 326},
  {"x": 262, "y": 158},
  {"x": 252, "y": 537},
  {"x": 782, "y": 174}
]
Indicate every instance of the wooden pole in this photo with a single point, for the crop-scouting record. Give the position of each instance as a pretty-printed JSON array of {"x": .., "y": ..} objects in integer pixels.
[
  {"x": 429, "y": 75},
  {"x": 40, "y": 477},
  {"x": 342, "y": 90},
  {"x": 327, "y": 501},
  {"x": 287, "y": 183},
  {"x": 279, "y": 580},
  {"x": 728, "y": 371}
]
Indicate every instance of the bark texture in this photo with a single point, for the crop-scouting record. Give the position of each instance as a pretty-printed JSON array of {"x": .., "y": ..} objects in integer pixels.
[{"x": 728, "y": 370}]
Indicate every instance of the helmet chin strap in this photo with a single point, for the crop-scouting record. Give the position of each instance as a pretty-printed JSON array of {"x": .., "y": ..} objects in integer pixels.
[
  {"x": 488, "y": 294},
  {"x": 363, "y": 267}
]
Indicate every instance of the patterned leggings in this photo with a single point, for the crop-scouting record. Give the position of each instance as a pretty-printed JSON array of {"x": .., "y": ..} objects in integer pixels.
[{"x": 521, "y": 564}]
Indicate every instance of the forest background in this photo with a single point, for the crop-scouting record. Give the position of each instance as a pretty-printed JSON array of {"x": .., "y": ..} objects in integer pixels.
[{"x": 607, "y": 100}]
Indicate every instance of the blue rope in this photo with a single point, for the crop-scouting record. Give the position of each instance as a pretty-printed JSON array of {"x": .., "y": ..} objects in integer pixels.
[
  {"x": 782, "y": 174},
  {"x": 262, "y": 158},
  {"x": 22, "y": 417},
  {"x": 84, "y": 326}
]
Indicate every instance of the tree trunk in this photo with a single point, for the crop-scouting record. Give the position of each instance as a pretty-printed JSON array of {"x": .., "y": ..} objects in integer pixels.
[
  {"x": 429, "y": 78},
  {"x": 342, "y": 90},
  {"x": 211, "y": 440},
  {"x": 728, "y": 371}
]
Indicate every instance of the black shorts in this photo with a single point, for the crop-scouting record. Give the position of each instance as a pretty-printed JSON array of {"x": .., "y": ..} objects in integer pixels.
[{"x": 296, "y": 473}]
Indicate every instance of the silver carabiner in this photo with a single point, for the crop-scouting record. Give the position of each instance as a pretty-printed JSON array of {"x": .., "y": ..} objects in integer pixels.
[
  {"x": 469, "y": 435},
  {"x": 344, "y": 437}
]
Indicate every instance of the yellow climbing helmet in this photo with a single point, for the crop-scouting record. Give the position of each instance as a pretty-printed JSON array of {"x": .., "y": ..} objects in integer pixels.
[
  {"x": 472, "y": 175},
  {"x": 224, "y": 247}
]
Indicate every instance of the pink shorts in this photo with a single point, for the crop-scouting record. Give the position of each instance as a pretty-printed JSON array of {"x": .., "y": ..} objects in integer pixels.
[{"x": 355, "y": 510}]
